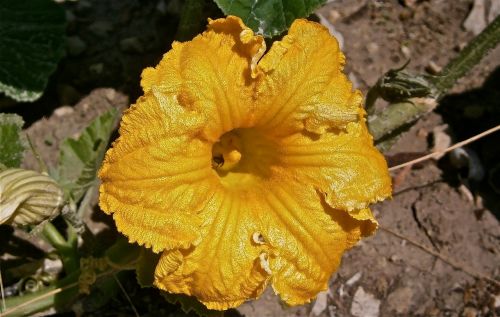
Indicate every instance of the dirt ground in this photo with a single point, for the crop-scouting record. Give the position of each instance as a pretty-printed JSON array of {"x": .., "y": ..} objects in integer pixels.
[{"x": 384, "y": 275}]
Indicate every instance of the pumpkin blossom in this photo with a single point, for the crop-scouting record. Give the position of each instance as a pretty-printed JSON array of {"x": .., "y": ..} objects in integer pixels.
[{"x": 244, "y": 169}]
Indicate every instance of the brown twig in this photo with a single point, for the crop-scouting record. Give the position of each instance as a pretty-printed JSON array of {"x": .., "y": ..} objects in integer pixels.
[
  {"x": 451, "y": 148},
  {"x": 442, "y": 257}
]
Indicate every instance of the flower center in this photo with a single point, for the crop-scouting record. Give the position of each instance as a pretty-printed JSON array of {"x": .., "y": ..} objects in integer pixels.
[
  {"x": 226, "y": 154},
  {"x": 243, "y": 156}
]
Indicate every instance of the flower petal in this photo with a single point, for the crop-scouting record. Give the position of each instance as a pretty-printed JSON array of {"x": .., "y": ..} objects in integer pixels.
[
  {"x": 212, "y": 74},
  {"x": 223, "y": 270},
  {"x": 158, "y": 175},
  {"x": 307, "y": 239},
  {"x": 251, "y": 236},
  {"x": 344, "y": 166},
  {"x": 303, "y": 85}
]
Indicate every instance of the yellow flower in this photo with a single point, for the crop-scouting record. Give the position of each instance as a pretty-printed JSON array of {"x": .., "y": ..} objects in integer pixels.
[{"x": 245, "y": 169}]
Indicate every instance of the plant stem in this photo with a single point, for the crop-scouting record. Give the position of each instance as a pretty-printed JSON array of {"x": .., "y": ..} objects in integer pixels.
[
  {"x": 61, "y": 293},
  {"x": 53, "y": 236},
  {"x": 120, "y": 257},
  {"x": 66, "y": 249},
  {"x": 384, "y": 125},
  {"x": 470, "y": 56}
]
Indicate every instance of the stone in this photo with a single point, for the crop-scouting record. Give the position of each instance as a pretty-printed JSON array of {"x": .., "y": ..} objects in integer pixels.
[
  {"x": 399, "y": 301},
  {"x": 372, "y": 47},
  {"x": 354, "y": 279},
  {"x": 406, "y": 51},
  {"x": 364, "y": 304},
  {"x": 320, "y": 304},
  {"x": 469, "y": 312},
  {"x": 476, "y": 20}
]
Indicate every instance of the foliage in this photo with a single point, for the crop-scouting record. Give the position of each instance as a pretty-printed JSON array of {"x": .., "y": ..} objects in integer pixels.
[
  {"x": 31, "y": 44},
  {"x": 80, "y": 158},
  {"x": 269, "y": 18},
  {"x": 12, "y": 144}
]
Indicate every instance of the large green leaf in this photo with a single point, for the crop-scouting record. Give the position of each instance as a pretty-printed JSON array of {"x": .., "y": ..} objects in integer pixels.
[
  {"x": 269, "y": 17},
  {"x": 80, "y": 159},
  {"x": 31, "y": 44},
  {"x": 12, "y": 143}
]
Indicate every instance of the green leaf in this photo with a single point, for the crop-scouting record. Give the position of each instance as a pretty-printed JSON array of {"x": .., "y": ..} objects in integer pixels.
[
  {"x": 12, "y": 144},
  {"x": 32, "y": 34},
  {"x": 269, "y": 17},
  {"x": 80, "y": 159}
]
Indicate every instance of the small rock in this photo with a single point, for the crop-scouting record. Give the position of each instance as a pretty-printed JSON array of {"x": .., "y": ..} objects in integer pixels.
[
  {"x": 320, "y": 304},
  {"x": 476, "y": 20},
  {"x": 399, "y": 301},
  {"x": 433, "y": 68},
  {"x": 101, "y": 28},
  {"x": 406, "y": 51},
  {"x": 356, "y": 277},
  {"x": 110, "y": 95},
  {"x": 341, "y": 291},
  {"x": 469, "y": 312},
  {"x": 457, "y": 287},
  {"x": 496, "y": 301},
  {"x": 394, "y": 258},
  {"x": 334, "y": 16},
  {"x": 52, "y": 266},
  {"x": 466, "y": 193},
  {"x": 372, "y": 48},
  {"x": 63, "y": 111},
  {"x": 75, "y": 45},
  {"x": 441, "y": 140},
  {"x": 364, "y": 304},
  {"x": 131, "y": 45},
  {"x": 332, "y": 311}
]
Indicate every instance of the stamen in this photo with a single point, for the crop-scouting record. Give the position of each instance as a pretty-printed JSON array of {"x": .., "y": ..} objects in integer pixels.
[
  {"x": 264, "y": 263},
  {"x": 226, "y": 154},
  {"x": 258, "y": 238}
]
